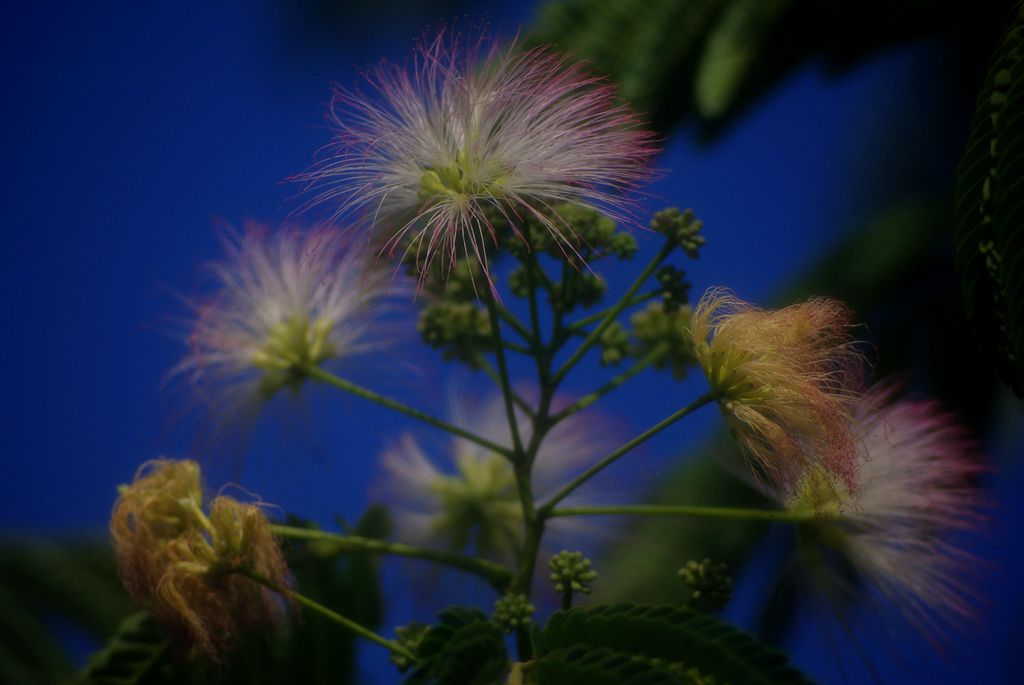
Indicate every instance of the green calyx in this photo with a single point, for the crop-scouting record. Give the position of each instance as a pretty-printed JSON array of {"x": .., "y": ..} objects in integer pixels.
[{"x": 290, "y": 345}]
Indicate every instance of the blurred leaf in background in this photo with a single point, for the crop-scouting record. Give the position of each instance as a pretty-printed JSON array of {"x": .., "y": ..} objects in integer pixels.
[{"x": 710, "y": 60}]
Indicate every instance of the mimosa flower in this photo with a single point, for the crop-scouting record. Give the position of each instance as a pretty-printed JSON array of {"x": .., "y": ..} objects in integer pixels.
[
  {"x": 467, "y": 497},
  {"x": 181, "y": 565},
  {"x": 915, "y": 489},
  {"x": 287, "y": 301},
  {"x": 471, "y": 129},
  {"x": 786, "y": 380}
]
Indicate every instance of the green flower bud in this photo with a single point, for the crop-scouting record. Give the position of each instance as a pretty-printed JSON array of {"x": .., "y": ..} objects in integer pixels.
[
  {"x": 656, "y": 327},
  {"x": 680, "y": 227},
  {"x": 710, "y": 584},
  {"x": 614, "y": 343},
  {"x": 513, "y": 611},
  {"x": 460, "y": 330},
  {"x": 571, "y": 572}
]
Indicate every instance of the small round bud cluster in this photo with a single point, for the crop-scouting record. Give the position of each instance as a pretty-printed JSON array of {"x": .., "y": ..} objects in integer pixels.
[
  {"x": 461, "y": 330},
  {"x": 513, "y": 611},
  {"x": 586, "y": 291},
  {"x": 680, "y": 227},
  {"x": 519, "y": 282},
  {"x": 710, "y": 584},
  {"x": 674, "y": 288},
  {"x": 409, "y": 636},
  {"x": 657, "y": 327},
  {"x": 571, "y": 572},
  {"x": 614, "y": 343},
  {"x": 593, "y": 234}
]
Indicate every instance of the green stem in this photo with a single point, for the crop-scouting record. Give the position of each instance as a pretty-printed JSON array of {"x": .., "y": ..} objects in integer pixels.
[
  {"x": 516, "y": 347},
  {"x": 506, "y": 389},
  {"x": 327, "y": 377},
  {"x": 615, "y": 310},
  {"x": 349, "y": 624},
  {"x": 597, "y": 316},
  {"x": 587, "y": 400},
  {"x": 545, "y": 509},
  {"x": 689, "y": 510},
  {"x": 511, "y": 319},
  {"x": 497, "y": 575},
  {"x": 492, "y": 373}
]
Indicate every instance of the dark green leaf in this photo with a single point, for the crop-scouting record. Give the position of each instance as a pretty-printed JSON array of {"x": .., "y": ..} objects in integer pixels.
[
  {"x": 464, "y": 648},
  {"x": 731, "y": 50},
  {"x": 676, "y": 636},
  {"x": 129, "y": 656},
  {"x": 990, "y": 211},
  {"x": 584, "y": 665}
]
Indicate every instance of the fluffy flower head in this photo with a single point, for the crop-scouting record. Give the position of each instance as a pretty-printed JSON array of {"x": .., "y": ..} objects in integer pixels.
[
  {"x": 785, "y": 380},
  {"x": 915, "y": 485},
  {"x": 286, "y": 300},
  {"x": 179, "y": 563},
  {"x": 467, "y": 497},
  {"x": 478, "y": 130}
]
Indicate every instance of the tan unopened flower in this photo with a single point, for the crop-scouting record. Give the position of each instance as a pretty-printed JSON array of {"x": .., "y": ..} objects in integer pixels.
[
  {"x": 184, "y": 566},
  {"x": 785, "y": 380}
]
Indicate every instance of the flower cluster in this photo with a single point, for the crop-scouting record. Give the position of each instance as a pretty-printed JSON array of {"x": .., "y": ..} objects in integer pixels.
[
  {"x": 785, "y": 380},
  {"x": 474, "y": 131},
  {"x": 915, "y": 489},
  {"x": 467, "y": 498},
  {"x": 287, "y": 301},
  {"x": 183, "y": 565},
  {"x": 883, "y": 483}
]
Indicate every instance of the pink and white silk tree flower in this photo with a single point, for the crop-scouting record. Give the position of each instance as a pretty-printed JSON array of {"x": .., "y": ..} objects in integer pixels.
[
  {"x": 286, "y": 300},
  {"x": 471, "y": 129},
  {"x": 785, "y": 380},
  {"x": 464, "y": 497},
  {"x": 893, "y": 535}
]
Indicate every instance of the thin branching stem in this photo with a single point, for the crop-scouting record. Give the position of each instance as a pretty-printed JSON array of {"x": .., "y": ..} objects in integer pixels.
[
  {"x": 506, "y": 386},
  {"x": 329, "y": 378},
  {"x": 348, "y": 624},
  {"x": 578, "y": 325},
  {"x": 614, "y": 311},
  {"x": 544, "y": 510},
  {"x": 688, "y": 510},
  {"x": 612, "y": 384},
  {"x": 497, "y": 575}
]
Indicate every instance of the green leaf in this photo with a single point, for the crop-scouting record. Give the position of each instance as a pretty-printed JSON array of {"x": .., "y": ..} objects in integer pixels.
[
  {"x": 603, "y": 666},
  {"x": 464, "y": 648},
  {"x": 731, "y": 51},
  {"x": 990, "y": 211},
  {"x": 677, "y": 637},
  {"x": 129, "y": 656},
  {"x": 674, "y": 59}
]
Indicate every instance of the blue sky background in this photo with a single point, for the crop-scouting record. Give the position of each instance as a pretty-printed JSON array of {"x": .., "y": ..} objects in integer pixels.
[{"x": 132, "y": 130}]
